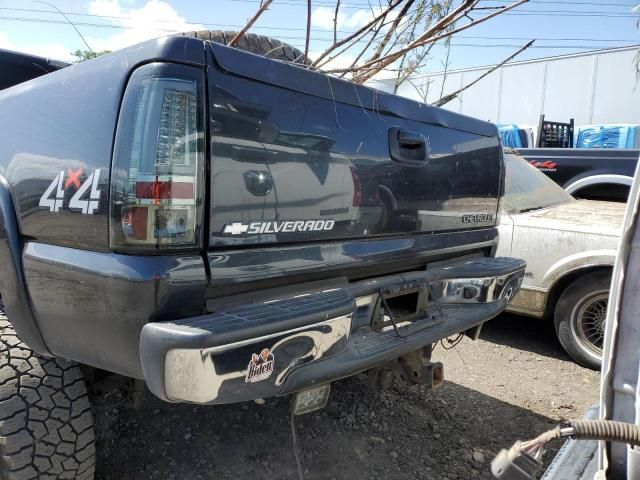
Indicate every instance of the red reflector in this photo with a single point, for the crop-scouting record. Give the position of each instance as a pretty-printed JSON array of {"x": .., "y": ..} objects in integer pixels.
[
  {"x": 164, "y": 190},
  {"x": 357, "y": 187},
  {"x": 135, "y": 220}
]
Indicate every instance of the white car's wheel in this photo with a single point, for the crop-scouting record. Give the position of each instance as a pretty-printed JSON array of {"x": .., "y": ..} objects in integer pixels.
[{"x": 580, "y": 318}]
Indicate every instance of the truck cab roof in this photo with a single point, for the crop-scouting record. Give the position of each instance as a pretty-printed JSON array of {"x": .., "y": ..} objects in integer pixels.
[{"x": 19, "y": 67}]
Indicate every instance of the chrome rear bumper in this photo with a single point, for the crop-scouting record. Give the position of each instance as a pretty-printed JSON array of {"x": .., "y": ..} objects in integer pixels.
[{"x": 281, "y": 346}]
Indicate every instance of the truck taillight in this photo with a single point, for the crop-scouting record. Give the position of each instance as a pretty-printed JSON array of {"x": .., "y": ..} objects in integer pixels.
[
  {"x": 357, "y": 186},
  {"x": 156, "y": 178}
]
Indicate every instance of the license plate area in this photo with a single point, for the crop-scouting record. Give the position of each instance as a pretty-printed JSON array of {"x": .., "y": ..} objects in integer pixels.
[{"x": 405, "y": 306}]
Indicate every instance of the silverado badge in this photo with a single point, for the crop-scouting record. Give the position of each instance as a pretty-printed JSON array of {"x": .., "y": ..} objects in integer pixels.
[
  {"x": 260, "y": 367},
  {"x": 274, "y": 226}
]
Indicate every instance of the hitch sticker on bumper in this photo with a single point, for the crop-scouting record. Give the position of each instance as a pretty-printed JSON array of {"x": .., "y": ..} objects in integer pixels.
[{"x": 260, "y": 367}]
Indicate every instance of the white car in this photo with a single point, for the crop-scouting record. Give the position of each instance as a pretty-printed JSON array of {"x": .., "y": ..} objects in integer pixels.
[{"x": 570, "y": 248}]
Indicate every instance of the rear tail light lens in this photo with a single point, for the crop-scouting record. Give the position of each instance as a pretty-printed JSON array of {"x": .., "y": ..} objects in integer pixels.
[
  {"x": 156, "y": 178},
  {"x": 357, "y": 186}
]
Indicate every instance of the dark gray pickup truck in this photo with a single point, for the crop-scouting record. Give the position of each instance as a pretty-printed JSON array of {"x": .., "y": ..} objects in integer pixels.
[
  {"x": 592, "y": 173},
  {"x": 227, "y": 227},
  {"x": 19, "y": 67}
]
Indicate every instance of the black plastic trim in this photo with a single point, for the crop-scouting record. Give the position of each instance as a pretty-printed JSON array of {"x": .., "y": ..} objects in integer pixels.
[
  {"x": 12, "y": 285},
  {"x": 354, "y": 259},
  {"x": 91, "y": 306},
  {"x": 261, "y": 318},
  {"x": 408, "y": 147}
]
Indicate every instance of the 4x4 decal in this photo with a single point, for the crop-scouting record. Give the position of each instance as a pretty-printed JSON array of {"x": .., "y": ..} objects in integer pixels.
[
  {"x": 546, "y": 166},
  {"x": 53, "y": 196}
]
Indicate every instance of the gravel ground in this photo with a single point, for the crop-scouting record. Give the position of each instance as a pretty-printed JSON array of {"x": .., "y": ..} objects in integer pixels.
[{"x": 514, "y": 382}]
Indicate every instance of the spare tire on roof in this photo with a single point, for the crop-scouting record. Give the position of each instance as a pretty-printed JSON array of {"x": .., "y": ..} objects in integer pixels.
[{"x": 258, "y": 44}]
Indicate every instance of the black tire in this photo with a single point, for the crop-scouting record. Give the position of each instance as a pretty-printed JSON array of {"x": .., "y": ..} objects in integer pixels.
[
  {"x": 258, "y": 44},
  {"x": 46, "y": 424},
  {"x": 579, "y": 318}
]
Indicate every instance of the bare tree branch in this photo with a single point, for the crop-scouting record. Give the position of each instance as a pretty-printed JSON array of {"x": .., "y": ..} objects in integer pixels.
[
  {"x": 356, "y": 34},
  {"x": 410, "y": 23},
  {"x": 636, "y": 9},
  {"x": 446, "y": 67},
  {"x": 392, "y": 29},
  {"x": 353, "y": 42},
  {"x": 362, "y": 52},
  {"x": 422, "y": 93},
  {"x": 412, "y": 35},
  {"x": 306, "y": 42},
  {"x": 428, "y": 37},
  {"x": 446, "y": 99},
  {"x": 441, "y": 24},
  {"x": 400, "y": 30},
  {"x": 375, "y": 30},
  {"x": 234, "y": 41},
  {"x": 335, "y": 22},
  {"x": 404, "y": 73},
  {"x": 476, "y": 22},
  {"x": 432, "y": 34},
  {"x": 435, "y": 20}
]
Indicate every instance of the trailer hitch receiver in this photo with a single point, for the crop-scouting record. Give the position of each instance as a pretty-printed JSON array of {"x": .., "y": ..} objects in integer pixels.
[{"x": 417, "y": 368}]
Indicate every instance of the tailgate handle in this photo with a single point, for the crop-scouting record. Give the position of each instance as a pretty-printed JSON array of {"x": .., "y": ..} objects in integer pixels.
[{"x": 408, "y": 147}]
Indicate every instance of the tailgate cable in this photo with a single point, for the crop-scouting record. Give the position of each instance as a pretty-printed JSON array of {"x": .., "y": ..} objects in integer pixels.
[
  {"x": 435, "y": 301},
  {"x": 523, "y": 460},
  {"x": 387, "y": 310}
]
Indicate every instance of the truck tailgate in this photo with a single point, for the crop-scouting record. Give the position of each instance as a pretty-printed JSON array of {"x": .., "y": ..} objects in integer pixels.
[{"x": 291, "y": 166}]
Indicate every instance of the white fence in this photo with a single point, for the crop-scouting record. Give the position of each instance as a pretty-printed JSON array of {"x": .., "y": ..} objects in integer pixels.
[{"x": 593, "y": 88}]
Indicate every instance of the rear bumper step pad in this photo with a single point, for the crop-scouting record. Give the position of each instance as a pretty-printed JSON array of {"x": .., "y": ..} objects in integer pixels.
[{"x": 277, "y": 347}]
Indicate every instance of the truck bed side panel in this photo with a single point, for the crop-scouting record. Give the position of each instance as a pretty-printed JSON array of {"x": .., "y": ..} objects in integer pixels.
[{"x": 63, "y": 124}]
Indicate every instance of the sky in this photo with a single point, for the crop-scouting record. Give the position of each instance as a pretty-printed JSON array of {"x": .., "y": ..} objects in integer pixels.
[{"x": 559, "y": 27}]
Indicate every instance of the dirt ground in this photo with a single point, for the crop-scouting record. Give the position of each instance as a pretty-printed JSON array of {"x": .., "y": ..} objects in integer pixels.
[{"x": 514, "y": 382}]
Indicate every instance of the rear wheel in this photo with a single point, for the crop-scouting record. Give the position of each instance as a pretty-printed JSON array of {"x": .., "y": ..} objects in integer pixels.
[
  {"x": 580, "y": 318},
  {"x": 258, "y": 44},
  {"x": 46, "y": 425}
]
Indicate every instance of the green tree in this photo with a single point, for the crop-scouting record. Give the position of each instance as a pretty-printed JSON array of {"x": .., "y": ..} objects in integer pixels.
[{"x": 82, "y": 55}]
